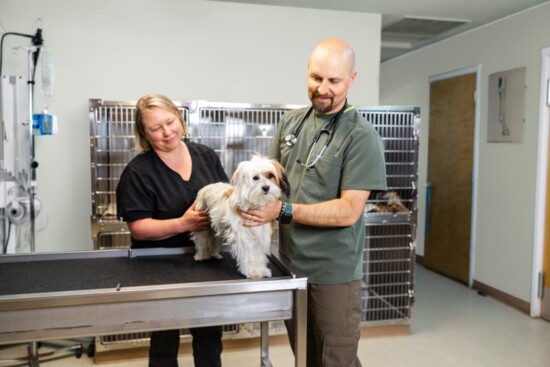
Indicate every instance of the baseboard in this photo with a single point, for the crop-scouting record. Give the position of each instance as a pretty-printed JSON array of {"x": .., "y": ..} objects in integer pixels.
[
  {"x": 139, "y": 353},
  {"x": 385, "y": 330},
  {"x": 125, "y": 355},
  {"x": 419, "y": 259},
  {"x": 503, "y": 297}
]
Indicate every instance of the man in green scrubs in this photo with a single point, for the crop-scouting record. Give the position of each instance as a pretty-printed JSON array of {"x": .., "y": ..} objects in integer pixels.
[{"x": 334, "y": 158}]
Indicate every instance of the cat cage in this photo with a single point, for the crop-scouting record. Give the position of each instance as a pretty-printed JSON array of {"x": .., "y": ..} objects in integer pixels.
[{"x": 237, "y": 131}]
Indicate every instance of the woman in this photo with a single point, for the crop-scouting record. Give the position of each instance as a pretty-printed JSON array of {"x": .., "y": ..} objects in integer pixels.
[{"x": 155, "y": 196}]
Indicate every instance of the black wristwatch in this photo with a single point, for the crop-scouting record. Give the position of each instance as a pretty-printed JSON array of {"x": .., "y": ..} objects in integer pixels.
[{"x": 285, "y": 216}]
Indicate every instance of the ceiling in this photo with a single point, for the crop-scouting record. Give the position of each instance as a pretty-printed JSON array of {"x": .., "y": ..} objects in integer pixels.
[{"x": 408, "y": 25}]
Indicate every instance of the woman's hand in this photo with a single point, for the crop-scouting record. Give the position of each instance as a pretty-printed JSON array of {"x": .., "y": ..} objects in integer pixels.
[
  {"x": 158, "y": 229},
  {"x": 195, "y": 220}
]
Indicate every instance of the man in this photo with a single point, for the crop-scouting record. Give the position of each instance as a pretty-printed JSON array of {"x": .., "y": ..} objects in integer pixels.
[{"x": 334, "y": 159}]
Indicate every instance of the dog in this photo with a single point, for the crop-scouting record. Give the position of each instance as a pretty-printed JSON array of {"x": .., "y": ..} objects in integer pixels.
[
  {"x": 255, "y": 183},
  {"x": 388, "y": 202}
]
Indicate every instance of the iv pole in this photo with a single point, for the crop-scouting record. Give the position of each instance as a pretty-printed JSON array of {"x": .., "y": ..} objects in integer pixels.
[
  {"x": 37, "y": 42},
  {"x": 33, "y": 58}
]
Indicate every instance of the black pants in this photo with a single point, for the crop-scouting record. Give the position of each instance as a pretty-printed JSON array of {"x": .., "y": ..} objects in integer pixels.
[{"x": 207, "y": 347}]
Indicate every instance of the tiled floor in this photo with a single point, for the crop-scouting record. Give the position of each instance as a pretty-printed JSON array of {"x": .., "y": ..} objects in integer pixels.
[{"x": 452, "y": 326}]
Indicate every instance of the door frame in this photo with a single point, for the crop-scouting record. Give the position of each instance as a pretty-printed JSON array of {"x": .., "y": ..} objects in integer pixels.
[
  {"x": 541, "y": 182},
  {"x": 475, "y": 164}
]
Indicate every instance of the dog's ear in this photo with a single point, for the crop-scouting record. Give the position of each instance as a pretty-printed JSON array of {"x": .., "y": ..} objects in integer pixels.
[
  {"x": 236, "y": 178},
  {"x": 282, "y": 177}
]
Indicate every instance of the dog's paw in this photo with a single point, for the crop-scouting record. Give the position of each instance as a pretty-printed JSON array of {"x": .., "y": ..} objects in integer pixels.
[
  {"x": 258, "y": 273},
  {"x": 202, "y": 256}
]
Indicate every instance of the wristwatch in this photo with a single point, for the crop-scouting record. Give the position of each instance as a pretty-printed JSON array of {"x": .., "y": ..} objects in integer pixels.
[{"x": 285, "y": 216}]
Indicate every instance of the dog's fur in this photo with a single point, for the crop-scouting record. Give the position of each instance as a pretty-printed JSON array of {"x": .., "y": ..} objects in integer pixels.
[
  {"x": 254, "y": 184},
  {"x": 388, "y": 202}
]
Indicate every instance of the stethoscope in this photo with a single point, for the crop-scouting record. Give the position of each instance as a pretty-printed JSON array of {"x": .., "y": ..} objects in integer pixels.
[{"x": 328, "y": 129}]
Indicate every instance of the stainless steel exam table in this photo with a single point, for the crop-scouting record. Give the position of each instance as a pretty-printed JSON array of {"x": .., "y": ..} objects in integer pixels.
[{"x": 76, "y": 294}]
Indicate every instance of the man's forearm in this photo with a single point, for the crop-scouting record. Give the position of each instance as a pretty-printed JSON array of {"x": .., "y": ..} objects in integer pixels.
[{"x": 341, "y": 212}]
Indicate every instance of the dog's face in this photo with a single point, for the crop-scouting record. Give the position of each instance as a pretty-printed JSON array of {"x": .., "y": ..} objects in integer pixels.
[{"x": 259, "y": 181}]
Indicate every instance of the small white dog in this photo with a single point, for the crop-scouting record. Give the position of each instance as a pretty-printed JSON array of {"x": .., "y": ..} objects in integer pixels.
[{"x": 254, "y": 184}]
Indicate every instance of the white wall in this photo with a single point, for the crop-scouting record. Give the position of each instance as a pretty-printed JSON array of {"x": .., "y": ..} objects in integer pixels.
[
  {"x": 506, "y": 176},
  {"x": 193, "y": 49}
]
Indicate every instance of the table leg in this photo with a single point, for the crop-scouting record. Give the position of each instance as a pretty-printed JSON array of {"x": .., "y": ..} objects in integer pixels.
[
  {"x": 264, "y": 337},
  {"x": 300, "y": 332}
]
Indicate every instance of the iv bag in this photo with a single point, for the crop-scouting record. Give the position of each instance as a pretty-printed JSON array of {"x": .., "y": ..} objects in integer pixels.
[{"x": 48, "y": 76}]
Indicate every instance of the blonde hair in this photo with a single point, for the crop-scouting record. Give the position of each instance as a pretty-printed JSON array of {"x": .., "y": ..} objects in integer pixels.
[{"x": 146, "y": 103}]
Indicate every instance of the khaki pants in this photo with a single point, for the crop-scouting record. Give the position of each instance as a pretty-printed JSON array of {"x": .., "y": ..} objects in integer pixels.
[{"x": 334, "y": 315}]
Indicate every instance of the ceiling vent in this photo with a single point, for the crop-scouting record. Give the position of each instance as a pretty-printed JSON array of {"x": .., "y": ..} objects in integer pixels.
[{"x": 421, "y": 27}]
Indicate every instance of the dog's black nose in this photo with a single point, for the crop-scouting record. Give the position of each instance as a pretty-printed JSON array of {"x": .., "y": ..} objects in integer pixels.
[{"x": 265, "y": 189}]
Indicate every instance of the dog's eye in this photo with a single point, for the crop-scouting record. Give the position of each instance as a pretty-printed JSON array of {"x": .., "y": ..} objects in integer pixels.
[
  {"x": 270, "y": 176},
  {"x": 256, "y": 178}
]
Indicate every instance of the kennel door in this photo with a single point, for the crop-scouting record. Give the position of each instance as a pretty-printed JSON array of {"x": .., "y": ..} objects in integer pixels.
[
  {"x": 236, "y": 131},
  {"x": 389, "y": 253}
]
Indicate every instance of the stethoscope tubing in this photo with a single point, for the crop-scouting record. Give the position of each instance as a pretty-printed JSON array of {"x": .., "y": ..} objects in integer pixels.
[{"x": 329, "y": 129}]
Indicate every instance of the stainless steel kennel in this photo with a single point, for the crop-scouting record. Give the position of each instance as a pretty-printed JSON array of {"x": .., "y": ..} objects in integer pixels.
[{"x": 236, "y": 131}]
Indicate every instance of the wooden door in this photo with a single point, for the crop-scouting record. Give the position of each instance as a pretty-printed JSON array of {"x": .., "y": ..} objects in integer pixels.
[{"x": 450, "y": 169}]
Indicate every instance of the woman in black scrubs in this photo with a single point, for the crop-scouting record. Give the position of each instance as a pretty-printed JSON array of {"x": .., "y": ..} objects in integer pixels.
[{"x": 156, "y": 195}]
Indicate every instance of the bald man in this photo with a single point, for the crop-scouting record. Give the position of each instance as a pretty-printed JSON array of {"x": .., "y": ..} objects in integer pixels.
[{"x": 334, "y": 158}]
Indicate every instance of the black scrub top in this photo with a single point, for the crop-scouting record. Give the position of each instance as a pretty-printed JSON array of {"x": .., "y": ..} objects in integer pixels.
[{"x": 148, "y": 188}]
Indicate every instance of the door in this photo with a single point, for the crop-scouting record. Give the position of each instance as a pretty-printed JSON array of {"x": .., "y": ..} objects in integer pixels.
[{"x": 450, "y": 169}]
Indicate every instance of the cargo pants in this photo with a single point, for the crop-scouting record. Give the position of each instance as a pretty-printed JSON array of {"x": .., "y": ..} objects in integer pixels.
[{"x": 333, "y": 325}]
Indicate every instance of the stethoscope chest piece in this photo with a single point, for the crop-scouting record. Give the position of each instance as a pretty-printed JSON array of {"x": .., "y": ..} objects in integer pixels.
[{"x": 290, "y": 140}]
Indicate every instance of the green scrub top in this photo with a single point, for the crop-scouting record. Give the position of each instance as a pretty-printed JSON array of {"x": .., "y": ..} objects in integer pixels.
[{"x": 354, "y": 160}]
